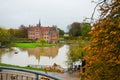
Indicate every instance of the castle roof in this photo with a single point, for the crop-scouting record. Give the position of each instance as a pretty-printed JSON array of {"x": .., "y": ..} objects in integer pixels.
[{"x": 42, "y": 28}]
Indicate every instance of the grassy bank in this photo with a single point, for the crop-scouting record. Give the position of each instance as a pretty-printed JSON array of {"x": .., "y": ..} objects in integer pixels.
[
  {"x": 32, "y": 45},
  {"x": 26, "y": 67}
]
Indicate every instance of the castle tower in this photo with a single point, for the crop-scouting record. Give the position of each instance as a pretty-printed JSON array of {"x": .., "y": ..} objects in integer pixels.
[{"x": 39, "y": 23}]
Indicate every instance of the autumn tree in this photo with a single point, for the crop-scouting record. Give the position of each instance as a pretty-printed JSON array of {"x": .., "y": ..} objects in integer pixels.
[
  {"x": 20, "y": 34},
  {"x": 75, "y": 29},
  {"x": 12, "y": 33},
  {"x": 42, "y": 41},
  {"x": 103, "y": 58},
  {"x": 4, "y": 36},
  {"x": 76, "y": 52},
  {"x": 61, "y": 32},
  {"x": 85, "y": 28},
  {"x": 23, "y": 32}
]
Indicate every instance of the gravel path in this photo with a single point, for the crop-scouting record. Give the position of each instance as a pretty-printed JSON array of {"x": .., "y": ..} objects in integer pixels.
[{"x": 65, "y": 76}]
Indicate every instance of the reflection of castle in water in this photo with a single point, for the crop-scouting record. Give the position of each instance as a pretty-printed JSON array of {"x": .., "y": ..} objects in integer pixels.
[{"x": 43, "y": 51}]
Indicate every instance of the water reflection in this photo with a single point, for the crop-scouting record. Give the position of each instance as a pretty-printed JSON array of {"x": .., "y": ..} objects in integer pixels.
[
  {"x": 3, "y": 51},
  {"x": 43, "y": 51},
  {"x": 37, "y": 56}
]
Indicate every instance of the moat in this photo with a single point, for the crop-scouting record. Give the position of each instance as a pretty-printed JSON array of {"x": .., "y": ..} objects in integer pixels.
[{"x": 35, "y": 56}]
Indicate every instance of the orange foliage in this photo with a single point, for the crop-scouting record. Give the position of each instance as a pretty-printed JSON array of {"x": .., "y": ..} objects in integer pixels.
[{"x": 103, "y": 58}]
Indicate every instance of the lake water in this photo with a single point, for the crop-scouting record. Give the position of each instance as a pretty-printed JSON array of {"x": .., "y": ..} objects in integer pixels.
[{"x": 35, "y": 56}]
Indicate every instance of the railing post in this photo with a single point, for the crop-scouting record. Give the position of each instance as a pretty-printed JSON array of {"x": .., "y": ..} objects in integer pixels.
[
  {"x": 6, "y": 76},
  {"x": 22, "y": 77},
  {"x": 1, "y": 74},
  {"x": 37, "y": 76},
  {"x": 36, "y": 73}
]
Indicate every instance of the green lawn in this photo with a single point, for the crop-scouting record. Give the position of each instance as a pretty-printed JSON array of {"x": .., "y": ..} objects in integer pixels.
[
  {"x": 30, "y": 68},
  {"x": 32, "y": 45}
]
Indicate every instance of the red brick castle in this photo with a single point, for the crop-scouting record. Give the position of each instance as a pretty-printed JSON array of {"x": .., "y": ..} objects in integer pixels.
[{"x": 49, "y": 34}]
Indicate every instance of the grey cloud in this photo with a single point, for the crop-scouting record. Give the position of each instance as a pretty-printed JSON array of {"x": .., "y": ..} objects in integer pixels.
[{"x": 13, "y": 13}]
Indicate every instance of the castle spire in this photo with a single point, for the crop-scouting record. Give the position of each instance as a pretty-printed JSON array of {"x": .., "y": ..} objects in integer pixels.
[{"x": 39, "y": 23}]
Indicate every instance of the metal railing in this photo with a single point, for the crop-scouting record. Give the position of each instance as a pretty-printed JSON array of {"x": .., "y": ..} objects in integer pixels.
[{"x": 11, "y": 73}]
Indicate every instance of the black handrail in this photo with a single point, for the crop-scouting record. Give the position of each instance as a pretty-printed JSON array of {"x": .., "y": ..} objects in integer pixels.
[{"x": 37, "y": 73}]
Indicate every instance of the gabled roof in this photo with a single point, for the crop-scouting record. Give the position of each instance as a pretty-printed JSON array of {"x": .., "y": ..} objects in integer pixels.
[{"x": 42, "y": 28}]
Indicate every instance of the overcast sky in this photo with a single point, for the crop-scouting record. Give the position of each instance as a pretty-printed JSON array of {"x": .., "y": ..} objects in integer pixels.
[{"x": 13, "y": 13}]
